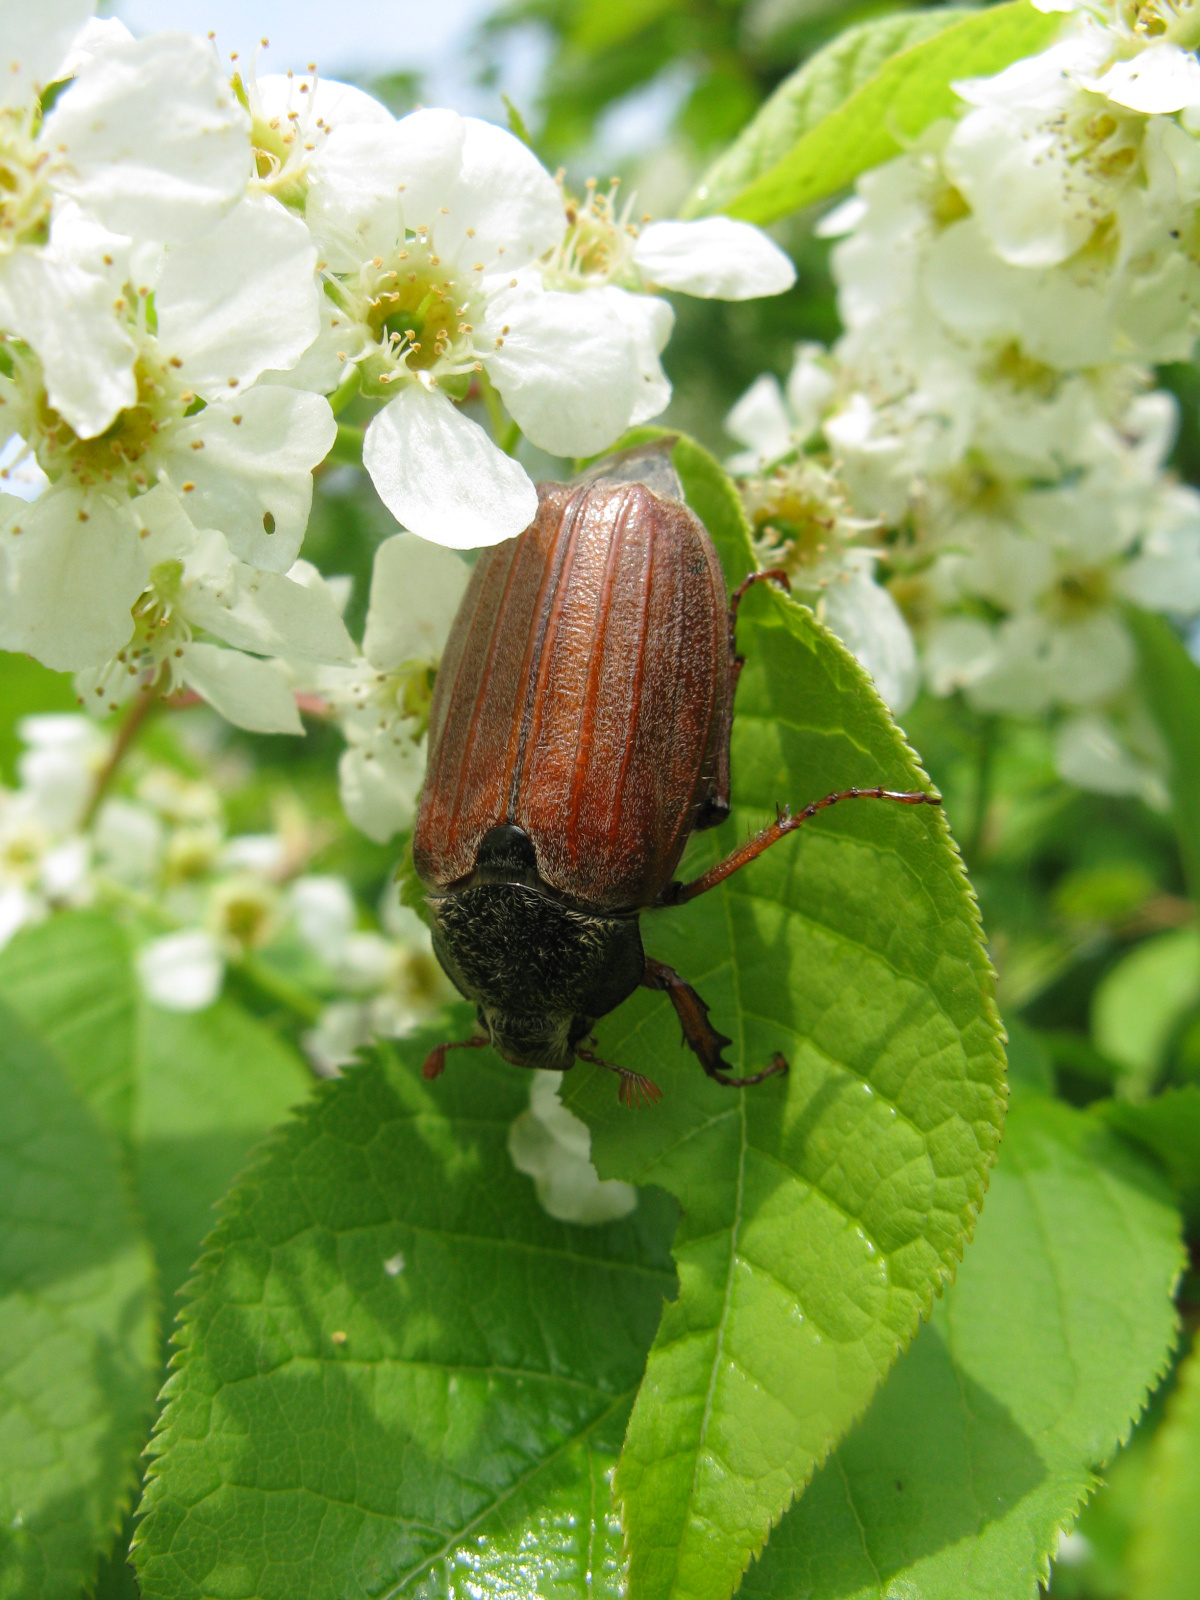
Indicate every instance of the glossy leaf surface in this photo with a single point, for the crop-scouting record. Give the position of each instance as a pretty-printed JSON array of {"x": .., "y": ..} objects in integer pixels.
[
  {"x": 986, "y": 1439},
  {"x": 397, "y": 1373},
  {"x": 821, "y": 1211}
]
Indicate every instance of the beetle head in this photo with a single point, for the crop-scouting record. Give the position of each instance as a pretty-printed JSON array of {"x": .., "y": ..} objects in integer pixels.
[{"x": 543, "y": 1039}]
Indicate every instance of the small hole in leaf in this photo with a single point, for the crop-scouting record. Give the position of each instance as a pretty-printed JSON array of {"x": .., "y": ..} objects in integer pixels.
[{"x": 268, "y": 522}]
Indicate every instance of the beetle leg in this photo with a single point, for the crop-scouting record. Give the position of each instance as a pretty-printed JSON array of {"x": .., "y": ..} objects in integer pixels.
[
  {"x": 634, "y": 1089},
  {"x": 698, "y": 1032},
  {"x": 435, "y": 1061},
  {"x": 674, "y": 894},
  {"x": 716, "y": 806}
]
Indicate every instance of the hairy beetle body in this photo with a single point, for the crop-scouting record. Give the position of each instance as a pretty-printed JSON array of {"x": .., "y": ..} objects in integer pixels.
[
  {"x": 579, "y": 733},
  {"x": 582, "y": 697}
]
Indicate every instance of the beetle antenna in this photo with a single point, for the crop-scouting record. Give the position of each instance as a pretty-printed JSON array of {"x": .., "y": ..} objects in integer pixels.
[
  {"x": 634, "y": 1089},
  {"x": 675, "y": 893}
]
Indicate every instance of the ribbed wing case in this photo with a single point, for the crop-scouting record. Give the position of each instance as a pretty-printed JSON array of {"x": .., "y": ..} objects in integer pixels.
[{"x": 581, "y": 696}]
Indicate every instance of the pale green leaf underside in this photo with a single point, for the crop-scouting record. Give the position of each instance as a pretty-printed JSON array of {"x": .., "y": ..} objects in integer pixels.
[
  {"x": 1166, "y": 1554},
  {"x": 820, "y": 1212},
  {"x": 984, "y": 1441},
  {"x": 78, "y": 1329},
  {"x": 885, "y": 113},
  {"x": 813, "y": 92},
  {"x": 459, "y": 1438}
]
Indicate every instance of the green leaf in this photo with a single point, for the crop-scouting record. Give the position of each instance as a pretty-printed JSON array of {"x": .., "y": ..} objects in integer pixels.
[
  {"x": 985, "y": 1440},
  {"x": 1166, "y": 1556},
  {"x": 879, "y": 119},
  {"x": 211, "y": 1084},
  {"x": 78, "y": 1331},
  {"x": 601, "y": 24},
  {"x": 1137, "y": 1005},
  {"x": 1169, "y": 1128},
  {"x": 1171, "y": 683},
  {"x": 27, "y": 687},
  {"x": 70, "y": 981},
  {"x": 821, "y": 1213},
  {"x": 397, "y": 1374},
  {"x": 190, "y": 1093},
  {"x": 813, "y": 92}
]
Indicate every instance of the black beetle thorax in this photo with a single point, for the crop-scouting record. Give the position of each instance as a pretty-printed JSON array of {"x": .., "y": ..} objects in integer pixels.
[{"x": 539, "y": 970}]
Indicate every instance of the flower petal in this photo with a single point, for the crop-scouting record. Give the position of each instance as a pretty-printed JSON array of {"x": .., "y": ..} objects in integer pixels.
[
  {"x": 872, "y": 627},
  {"x": 553, "y": 1147},
  {"x": 565, "y": 366},
  {"x": 269, "y": 615},
  {"x": 36, "y": 41},
  {"x": 504, "y": 211},
  {"x": 1023, "y": 183},
  {"x": 252, "y": 694},
  {"x": 760, "y": 421},
  {"x": 332, "y": 102},
  {"x": 250, "y": 473},
  {"x": 648, "y": 320},
  {"x": 715, "y": 258},
  {"x": 359, "y": 181},
  {"x": 70, "y": 569},
  {"x": 59, "y": 302},
  {"x": 1160, "y": 79},
  {"x": 378, "y": 784},
  {"x": 440, "y": 475},
  {"x": 415, "y": 590},
  {"x": 152, "y": 139},
  {"x": 241, "y": 300},
  {"x": 182, "y": 971}
]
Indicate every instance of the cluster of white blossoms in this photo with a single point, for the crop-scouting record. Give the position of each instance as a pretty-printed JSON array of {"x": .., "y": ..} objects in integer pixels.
[
  {"x": 979, "y": 462},
  {"x": 198, "y": 270},
  {"x": 197, "y": 898}
]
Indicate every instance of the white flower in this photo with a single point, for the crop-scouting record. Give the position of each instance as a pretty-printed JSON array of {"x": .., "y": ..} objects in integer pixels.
[
  {"x": 430, "y": 228},
  {"x": 196, "y": 584},
  {"x": 609, "y": 258},
  {"x": 227, "y": 307},
  {"x": 148, "y": 139},
  {"x": 182, "y": 971},
  {"x": 382, "y": 702},
  {"x": 1088, "y": 751},
  {"x": 553, "y": 1147}
]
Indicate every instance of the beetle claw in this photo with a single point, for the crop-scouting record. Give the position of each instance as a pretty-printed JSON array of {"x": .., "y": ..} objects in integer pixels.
[{"x": 634, "y": 1089}]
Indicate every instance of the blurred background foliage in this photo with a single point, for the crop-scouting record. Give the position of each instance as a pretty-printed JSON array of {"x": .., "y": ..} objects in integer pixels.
[{"x": 1085, "y": 899}]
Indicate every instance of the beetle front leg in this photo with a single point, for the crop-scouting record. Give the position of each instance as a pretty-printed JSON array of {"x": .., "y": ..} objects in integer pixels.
[
  {"x": 716, "y": 807},
  {"x": 674, "y": 894},
  {"x": 698, "y": 1032},
  {"x": 634, "y": 1088},
  {"x": 435, "y": 1061}
]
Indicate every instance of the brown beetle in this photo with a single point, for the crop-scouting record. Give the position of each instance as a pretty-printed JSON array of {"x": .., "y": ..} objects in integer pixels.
[{"x": 579, "y": 733}]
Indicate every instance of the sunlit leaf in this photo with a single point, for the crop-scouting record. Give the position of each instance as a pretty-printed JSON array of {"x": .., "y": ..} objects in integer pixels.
[
  {"x": 397, "y": 1374},
  {"x": 872, "y": 119},
  {"x": 78, "y": 1330},
  {"x": 986, "y": 1439},
  {"x": 820, "y": 1212},
  {"x": 813, "y": 92}
]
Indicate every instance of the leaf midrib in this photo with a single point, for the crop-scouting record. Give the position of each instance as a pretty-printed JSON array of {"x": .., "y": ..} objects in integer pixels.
[{"x": 456, "y": 1538}]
